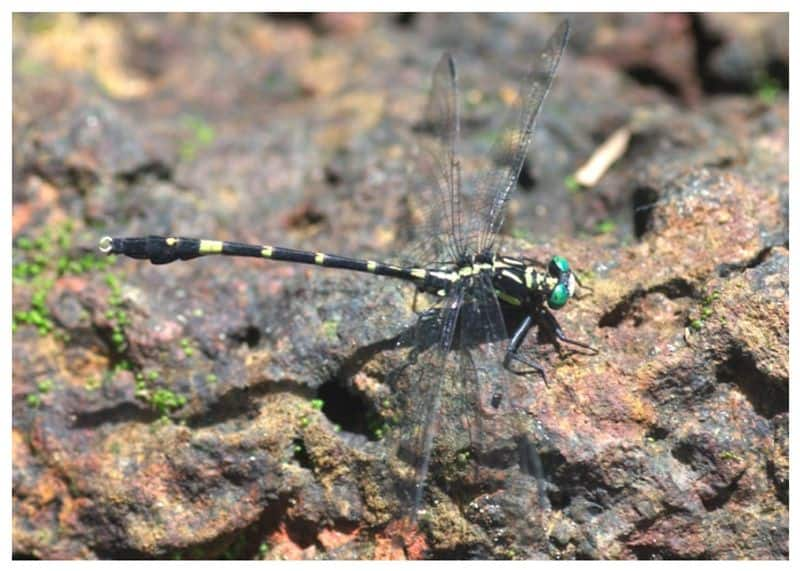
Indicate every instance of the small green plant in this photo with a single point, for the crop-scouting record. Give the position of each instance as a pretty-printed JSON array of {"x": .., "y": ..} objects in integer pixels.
[
  {"x": 199, "y": 134},
  {"x": 45, "y": 386},
  {"x": 39, "y": 262},
  {"x": 330, "y": 329},
  {"x": 93, "y": 383},
  {"x": 186, "y": 345},
  {"x": 165, "y": 401},
  {"x": 571, "y": 183},
  {"x": 605, "y": 227},
  {"x": 705, "y": 311},
  {"x": 521, "y": 234},
  {"x": 767, "y": 91}
]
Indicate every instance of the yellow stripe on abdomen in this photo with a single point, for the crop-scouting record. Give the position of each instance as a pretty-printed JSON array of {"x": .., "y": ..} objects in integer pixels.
[{"x": 210, "y": 246}]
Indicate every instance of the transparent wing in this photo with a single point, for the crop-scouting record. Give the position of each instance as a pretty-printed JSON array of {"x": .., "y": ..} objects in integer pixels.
[
  {"x": 483, "y": 334},
  {"x": 435, "y": 181},
  {"x": 417, "y": 389},
  {"x": 495, "y": 187}
]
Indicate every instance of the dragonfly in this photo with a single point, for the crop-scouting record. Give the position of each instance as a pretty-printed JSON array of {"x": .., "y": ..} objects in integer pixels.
[{"x": 462, "y": 352}]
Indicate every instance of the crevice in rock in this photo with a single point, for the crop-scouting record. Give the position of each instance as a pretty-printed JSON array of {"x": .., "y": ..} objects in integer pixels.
[
  {"x": 249, "y": 335},
  {"x": 767, "y": 396},
  {"x": 242, "y": 402},
  {"x": 650, "y": 76},
  {"x": 725, "y": 269},
  {"x": 117, "y": 414},
  {"x": 347, "y": 408},
  {"x": 155, "y": 169},
  {"x": 781, "y": 485},
  {"x": 644, "y": 201},
  {"x": 673, "y": 289},
  {"x": 723, "y": 494}
]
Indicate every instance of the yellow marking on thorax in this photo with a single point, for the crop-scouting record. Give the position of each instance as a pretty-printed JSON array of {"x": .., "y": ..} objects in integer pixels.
[
  {"x": 509, "y": 299},
  {"x": 511, "y": 276},
  {"x": 210, "y": 246},
  {"x": 448, "y": 276},
  {"x": 473, "y": 270},
  {"x": 266, "y": 251},
  {"x": 511, "y": 262},
  {"x": 529, "y": 277},
  {"x": 171, "y": 241},
  {"x": 319, "y": 258}
]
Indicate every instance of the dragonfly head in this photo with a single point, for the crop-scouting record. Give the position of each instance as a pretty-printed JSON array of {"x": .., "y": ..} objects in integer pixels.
[{"x": 564, "y": 282}]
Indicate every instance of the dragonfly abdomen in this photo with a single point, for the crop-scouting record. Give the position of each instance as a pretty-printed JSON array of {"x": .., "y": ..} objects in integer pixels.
[{"x": 165, "y": 250}]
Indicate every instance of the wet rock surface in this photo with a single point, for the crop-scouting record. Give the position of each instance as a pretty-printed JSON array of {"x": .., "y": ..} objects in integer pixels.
[{"x": 234, "y": 408}]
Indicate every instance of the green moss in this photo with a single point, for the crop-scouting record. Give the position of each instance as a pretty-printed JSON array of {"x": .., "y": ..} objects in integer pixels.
[
  {"x": 188, "y": 350},
  {"x": 45, "y": 386},
  {"x": 93, "y": 383},
  {"x": 123, "y": 365},
  {"x": 521, "y": 234},
  {"x": 165, "y": 401},
  {"x": 211, "y": 378},
  {"x": 199, "y": 134},
  {"x": 34, "y": 400},
  {"x": 605, "y": 227},
  {"x": 767, "y": 91},
  {"x": 317, "y": 404},
  {"x": 38, "y": 263},
  {"x": 571, "y": 183},
  {"x": 330, "y": 329},
  {"x": 706, "y": 310},
  {"x": 377, "y": 427}
]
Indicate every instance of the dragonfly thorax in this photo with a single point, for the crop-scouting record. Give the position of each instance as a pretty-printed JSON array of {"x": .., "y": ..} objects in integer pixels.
[
  {"x": 515, "y": 281},
  {"x": 518, "y": 282}
]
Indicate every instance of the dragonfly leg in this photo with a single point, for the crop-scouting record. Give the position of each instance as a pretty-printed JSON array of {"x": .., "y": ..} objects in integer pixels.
[
  {"x": 512, "y": 353},
  {"x": 580, "y": 283},
  {"x": 559, "y": 333}
]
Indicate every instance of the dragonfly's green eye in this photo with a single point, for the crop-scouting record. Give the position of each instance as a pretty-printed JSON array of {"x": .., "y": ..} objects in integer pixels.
[
  {"x": 558, "y": 265},
  {"x": 558, "y": 297}
]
